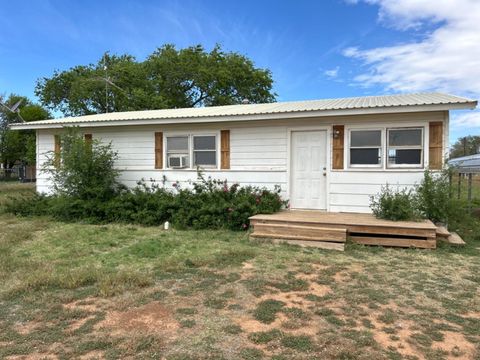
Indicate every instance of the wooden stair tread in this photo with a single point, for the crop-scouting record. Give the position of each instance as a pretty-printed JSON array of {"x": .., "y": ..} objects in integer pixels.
[
  {"x": 442, "y": 232},
  {"x": 455, "y": 239},
  {"x": 295, "y": 237}
]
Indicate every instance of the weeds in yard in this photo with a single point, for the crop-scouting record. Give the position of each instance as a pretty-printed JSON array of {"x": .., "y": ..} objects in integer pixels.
[{"x": 267, "y": 310}]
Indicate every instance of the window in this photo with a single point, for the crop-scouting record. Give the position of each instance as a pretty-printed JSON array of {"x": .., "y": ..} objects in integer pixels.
[
  {"x": 405, "y": 147},
  {"x": 187, "y": 151},
  {"x": 178, "y": 152},
  {"x": 204, "y": 151},
  {"x": 365, "y": 148}
]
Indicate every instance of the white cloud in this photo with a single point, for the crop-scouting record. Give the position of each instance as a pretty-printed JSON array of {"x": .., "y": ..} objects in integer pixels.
[
  {"x": 466, "y": 120},
  {"x": 332, "y": 73},
  {"x": 446, "y": 59}
]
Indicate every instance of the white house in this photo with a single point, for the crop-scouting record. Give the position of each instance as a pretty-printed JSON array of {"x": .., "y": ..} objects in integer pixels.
[{"x": 325, "y": 154}]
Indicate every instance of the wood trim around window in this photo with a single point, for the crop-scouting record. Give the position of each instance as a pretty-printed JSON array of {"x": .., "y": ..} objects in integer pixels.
[
  {"x": 435, "y": 145},
  {"x": 88, "y": 140},
  {"x": 225, "y": 149},
  {"x": 338, "y": 146},
  {"x": 159, "y": 150}
]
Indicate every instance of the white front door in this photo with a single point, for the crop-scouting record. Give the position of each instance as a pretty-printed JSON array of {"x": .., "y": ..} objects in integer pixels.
[{"x": 308, "y": 170}]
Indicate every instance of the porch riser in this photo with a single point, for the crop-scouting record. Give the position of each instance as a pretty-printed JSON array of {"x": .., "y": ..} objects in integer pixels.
[
  {"x": 299, "y": 232},
  {"x": 361, "y": 229}
]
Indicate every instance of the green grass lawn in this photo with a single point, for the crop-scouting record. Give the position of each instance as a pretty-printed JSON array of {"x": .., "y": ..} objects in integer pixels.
[{"x": 120, "y": 291}]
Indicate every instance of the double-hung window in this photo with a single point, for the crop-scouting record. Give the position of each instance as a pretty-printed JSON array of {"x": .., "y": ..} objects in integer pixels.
[
  {"x": 365, "y": 148},
  {"x": 405, "y": 147},
  {"x": 178, "y": 152},
  {"x": 190, "y": 151},
  {"x": 204, "y": 150}
]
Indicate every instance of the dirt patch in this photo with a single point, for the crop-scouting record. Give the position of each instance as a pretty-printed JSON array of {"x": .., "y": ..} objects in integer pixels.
[
  {"x": 247, "y": 266},
  {"x": 77, "y": 324},
  {"x": 96, "y": 354},
  {"x": 33, "y": 356},
  {"x": 472, "y": 315},
  {"x": 152, "y": 318},
  {"x": 26, "y": 328},
  {"x": 456, "y": 345},
  {"x": 403, "y": 334},
  {"x": 88, "y": 304}
]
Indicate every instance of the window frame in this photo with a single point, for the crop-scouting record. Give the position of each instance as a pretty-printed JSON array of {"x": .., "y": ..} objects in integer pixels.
[
  {"x": 191, "y": 151},
  {"x": 179, "y": 152},
  {"x": 381, "y": 147},
  {"x": 420, "y": 147},
  {"x": 215, "y": 149}
]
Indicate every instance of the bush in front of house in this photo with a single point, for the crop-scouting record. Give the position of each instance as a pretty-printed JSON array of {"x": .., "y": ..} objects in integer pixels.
[
  {"x": 434, "y": 197},
  {"x": 86, "y": 189},
  {"x": 82, "y": 169},
  {"x": 431, "y": 199},
  {"x": 209, "y": 204},
  {"x": 400, "y": 205}
]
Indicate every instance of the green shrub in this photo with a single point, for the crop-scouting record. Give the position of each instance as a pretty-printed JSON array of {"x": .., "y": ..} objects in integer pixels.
[
  {"x": 395, "y": 205},
  {"x": 434, "y": 196},
  {"x": 209, "y": 204},
  {"x": 83, "y": 170}
]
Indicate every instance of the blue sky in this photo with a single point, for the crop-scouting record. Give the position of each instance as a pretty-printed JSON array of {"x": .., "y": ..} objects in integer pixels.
[{"x": 315, "y": 49}]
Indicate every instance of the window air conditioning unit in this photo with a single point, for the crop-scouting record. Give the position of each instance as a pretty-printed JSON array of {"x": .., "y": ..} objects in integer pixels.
[{"x": 178, "y": 161}]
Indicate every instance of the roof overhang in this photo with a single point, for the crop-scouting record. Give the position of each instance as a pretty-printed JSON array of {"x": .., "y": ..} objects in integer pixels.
[{"x": 60, "y": 123}]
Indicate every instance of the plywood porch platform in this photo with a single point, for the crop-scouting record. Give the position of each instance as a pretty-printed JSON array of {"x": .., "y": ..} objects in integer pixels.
[{"x": 317, "y": 227}]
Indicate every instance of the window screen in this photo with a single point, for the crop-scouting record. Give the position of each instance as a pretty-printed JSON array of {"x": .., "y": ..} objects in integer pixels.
[
  {"x": 405, "y": 147},
  {"x": 204, "y": 150},
  {"x": 365, "y": 147}
]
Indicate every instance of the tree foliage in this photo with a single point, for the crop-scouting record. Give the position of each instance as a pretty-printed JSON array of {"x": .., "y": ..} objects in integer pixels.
[
  {"x": 168, "y": 78},
  {"x": 18, "y": 145},
  {"x": 468, "y": 145}
]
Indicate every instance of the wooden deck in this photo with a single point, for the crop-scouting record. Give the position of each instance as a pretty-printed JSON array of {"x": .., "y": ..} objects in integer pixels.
[{"x": 324, "y": 228}]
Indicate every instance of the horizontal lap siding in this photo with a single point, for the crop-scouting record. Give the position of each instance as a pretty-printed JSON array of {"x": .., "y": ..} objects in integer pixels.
[
  {"x": 257, "y": 156},
  {"x": 351, "y": 190},
  {"x": 262, "y": 148},
  {"x": 45, "y": 145}
]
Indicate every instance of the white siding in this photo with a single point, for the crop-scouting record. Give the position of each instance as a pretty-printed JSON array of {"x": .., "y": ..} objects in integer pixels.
[{"x": 258, "y": 155}]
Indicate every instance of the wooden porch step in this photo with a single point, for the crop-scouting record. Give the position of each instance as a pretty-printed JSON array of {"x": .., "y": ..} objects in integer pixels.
[
  {"x": 396, "y": 242},
  {"x": 301, "y": 232},
  {"x": 442, "y": 232},
  {"x": 455, "y": 239}
]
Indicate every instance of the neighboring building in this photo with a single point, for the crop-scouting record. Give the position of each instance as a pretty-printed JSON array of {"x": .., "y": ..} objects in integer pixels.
[
  {"x": 466, "y": 164},
  {"x": 325, "y": 154}
]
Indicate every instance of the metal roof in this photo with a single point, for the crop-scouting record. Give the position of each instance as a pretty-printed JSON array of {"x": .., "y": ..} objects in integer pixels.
[
  {"x": 310, "y": 108},
  {"x": 466, "y": 164}
]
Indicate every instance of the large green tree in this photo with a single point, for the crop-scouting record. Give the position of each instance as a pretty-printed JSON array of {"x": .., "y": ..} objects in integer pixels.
[
  {"x": 18, "y": 146},
  {"x": 467, "y": 145},
  {"x": 168, "y": 78}
]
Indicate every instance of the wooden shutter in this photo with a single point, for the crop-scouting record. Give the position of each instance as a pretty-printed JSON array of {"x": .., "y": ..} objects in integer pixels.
[
  {"x": 88, "y": 140},
  {"x": 338, "y": 146},
  {"x": 57, "y": 149},
  {"x": 225, "y": 149},
  {"x": 436, "y": 145},
  {"x": 159, "y": 150}
]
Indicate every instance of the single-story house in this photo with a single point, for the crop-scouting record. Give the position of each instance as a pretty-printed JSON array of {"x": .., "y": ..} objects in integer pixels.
[{"x": 328, "y": 154}]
